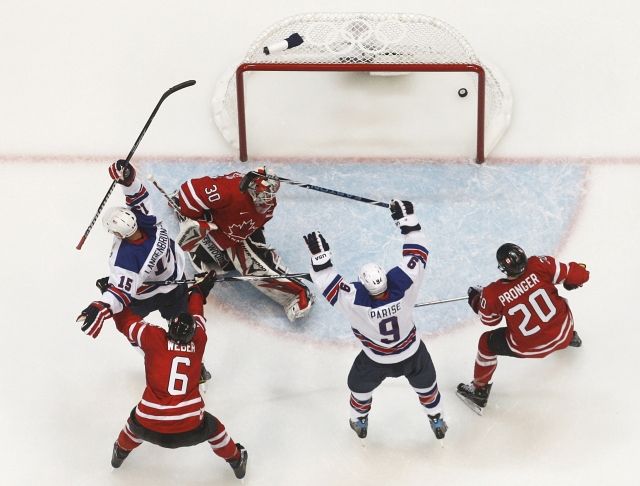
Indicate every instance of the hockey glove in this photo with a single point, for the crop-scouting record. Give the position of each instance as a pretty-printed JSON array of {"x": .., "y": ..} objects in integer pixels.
[
  {"x": 402, "y": 214},
  {"x": 92, "y": 318},
  {"x": 204, "y": 285},
  {"x": 102, "y": 284},
  {"x": 192, "y": 232},
  {"x": 474, "y": 298},
  {"x": 122, "y": 172},
  {"x": 319, "y": 248},
  {"x": 576, "y": 276}
]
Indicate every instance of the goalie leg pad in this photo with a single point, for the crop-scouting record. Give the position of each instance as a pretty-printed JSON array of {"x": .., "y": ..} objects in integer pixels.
[
  {"x": 207, "y": 256},
  {"x": 254, "y": 257}
]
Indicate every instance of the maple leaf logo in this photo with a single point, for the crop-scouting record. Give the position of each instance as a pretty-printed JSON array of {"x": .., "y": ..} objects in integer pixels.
[{"x": 240, "y": 232}]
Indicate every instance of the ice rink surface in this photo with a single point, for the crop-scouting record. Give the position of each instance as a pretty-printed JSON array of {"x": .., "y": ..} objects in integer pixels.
[{"x": 76, "y": 91}]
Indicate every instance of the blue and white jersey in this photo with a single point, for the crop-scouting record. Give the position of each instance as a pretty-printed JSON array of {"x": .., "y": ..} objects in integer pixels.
[
  {"x": 384, "y": 327},
  {"x": 155, "y": 257}
]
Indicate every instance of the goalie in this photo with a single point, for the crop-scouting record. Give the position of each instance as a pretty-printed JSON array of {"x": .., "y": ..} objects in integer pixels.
[{"x": 222, "y": 229}]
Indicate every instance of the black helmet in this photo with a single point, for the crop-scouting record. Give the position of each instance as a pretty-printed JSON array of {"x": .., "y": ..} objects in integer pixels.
[
  {"x": 182, "y": 328},
  {"x": 512, "y": 259}
]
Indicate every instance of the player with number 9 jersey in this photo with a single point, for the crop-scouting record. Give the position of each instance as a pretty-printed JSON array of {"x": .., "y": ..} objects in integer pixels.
[
  {"x": 380, "y": 310},
  {"x": 384, "y": 327}
]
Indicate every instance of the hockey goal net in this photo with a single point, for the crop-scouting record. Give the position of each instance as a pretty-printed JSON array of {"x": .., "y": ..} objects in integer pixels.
[{"x": 358, "y": 44}]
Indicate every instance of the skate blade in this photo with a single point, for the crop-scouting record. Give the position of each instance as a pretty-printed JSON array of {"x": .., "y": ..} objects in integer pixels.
[{"x": 473, "y": 406}]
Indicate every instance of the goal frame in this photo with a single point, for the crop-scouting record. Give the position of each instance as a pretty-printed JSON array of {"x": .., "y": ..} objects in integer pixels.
[{"x": 359, "y": 67}]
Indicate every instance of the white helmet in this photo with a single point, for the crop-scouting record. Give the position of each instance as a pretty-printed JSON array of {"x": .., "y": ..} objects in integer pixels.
[
  {"x": 120, "y": 222},
  {"x": 374, "y": 278}
]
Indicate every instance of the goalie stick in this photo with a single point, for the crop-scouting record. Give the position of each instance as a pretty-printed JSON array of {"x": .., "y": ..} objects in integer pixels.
[
  {"x": 246, "y": 278},
  {"x": 242, "y": 278},
  {"x": 166, "y": 94},
  {"x": 317, "y": 188}
]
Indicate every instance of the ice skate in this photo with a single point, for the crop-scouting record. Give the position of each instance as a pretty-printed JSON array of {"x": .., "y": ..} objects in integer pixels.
[
  {"x": 474, "y": 397},
  {"x": 240, "y": 466},
  {"x": 576, "y": 342},
  {"x": 118, "y": 455},
  {"x": 359, "y": 426},
  {"x": 438, "y": 425}
]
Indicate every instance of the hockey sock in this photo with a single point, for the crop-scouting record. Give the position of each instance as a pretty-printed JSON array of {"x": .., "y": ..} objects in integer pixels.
[
  {"x": 127, "y": 440},
  {"x": 360, "y": 404},
  {"x": 223, "y": 445},
  {"x": 429, "y": 398},
  {"x": 486, "y": 362}
]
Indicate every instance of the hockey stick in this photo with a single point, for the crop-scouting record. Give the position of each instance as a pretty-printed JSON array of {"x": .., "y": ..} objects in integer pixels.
[
  {"x": 319, "y": 189},
  {"x": 166, "y": 94},
  {"x": 441, "y": 301},
  {"x": 243, "y": 278},
  {"x": 172, "y": 203}
]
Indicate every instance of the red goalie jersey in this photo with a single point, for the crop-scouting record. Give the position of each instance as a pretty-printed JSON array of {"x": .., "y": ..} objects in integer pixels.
[
  {"x": 539, "y": 321},
  {"x": 220, "y": 200},
  {"x": 171, "y": 402}
]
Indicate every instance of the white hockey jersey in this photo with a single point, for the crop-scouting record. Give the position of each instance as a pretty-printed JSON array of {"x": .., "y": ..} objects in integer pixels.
[
  {"x": 384, "y": 327},
  {"x": 134, "y": 264}
]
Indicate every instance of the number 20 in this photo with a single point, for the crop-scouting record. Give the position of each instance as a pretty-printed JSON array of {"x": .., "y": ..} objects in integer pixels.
[{"x": 526, "y": 313}]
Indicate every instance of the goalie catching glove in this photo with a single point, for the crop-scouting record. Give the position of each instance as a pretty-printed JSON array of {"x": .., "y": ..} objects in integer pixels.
[
  {"x": 192, "y": 232},
  {"x": 402, "y": 214},
  {"x": 319, "y": 248},
  {"x": 92, "y": 318}
]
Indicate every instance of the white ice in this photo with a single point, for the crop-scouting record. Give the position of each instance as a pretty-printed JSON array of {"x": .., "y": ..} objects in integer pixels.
[{"x": 77, "y": 84}]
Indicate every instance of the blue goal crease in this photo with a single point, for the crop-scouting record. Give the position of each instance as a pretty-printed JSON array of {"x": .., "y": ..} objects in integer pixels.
[{"x": 465, "y": 210}]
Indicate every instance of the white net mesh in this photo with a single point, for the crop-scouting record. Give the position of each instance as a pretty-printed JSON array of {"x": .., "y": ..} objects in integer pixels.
[{"x": 377, "y": 38}]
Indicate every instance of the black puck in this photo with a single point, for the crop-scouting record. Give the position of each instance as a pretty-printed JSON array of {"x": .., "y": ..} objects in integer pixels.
[{"x": 462, "y": 92}]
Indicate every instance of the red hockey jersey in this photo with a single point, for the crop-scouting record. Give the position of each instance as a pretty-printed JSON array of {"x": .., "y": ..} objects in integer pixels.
[
  {"x": 230, "y": 209},
  {"x": 171, "y": 402},
  {"x": 538, "y": 320}
]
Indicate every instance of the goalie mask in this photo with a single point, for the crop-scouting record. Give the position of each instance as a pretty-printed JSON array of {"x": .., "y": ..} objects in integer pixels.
[
  {"x": 120, "y": 222},
  {"x": 263, "y": 191},
  {"x": 512, "y": 259},
  {"x": 182, "y": 329},
  {"x": 374, "y": 278}
]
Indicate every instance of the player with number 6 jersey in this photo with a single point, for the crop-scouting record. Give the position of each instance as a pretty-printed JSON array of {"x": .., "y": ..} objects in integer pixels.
[
  {"x": 538, "y": 320},
  {"x": 379, "y": 309},
  {"x": 171, "y": 412}
]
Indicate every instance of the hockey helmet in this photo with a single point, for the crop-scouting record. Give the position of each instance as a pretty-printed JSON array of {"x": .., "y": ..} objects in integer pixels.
[
  {"x": 120, "y": 221},
  {"x": 182, "y": 328},
  {"x": 512, "y": 259},
  {"x": 374, "y": 278},
  {"x": 263, "y": 190}
]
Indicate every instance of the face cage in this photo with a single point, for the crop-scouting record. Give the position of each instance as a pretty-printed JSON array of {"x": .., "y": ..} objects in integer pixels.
[{"x": 263, "y": 191}]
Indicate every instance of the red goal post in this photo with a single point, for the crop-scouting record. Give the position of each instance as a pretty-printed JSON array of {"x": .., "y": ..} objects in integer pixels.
[
  {"x": 364, "y": 67},
  {"x": 377, "y": 43}
]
